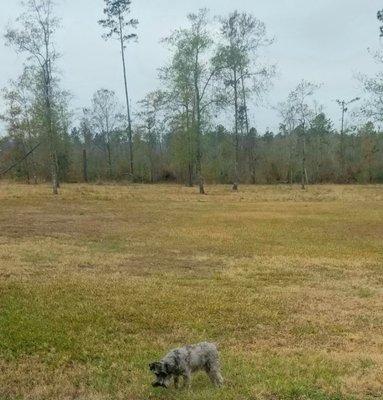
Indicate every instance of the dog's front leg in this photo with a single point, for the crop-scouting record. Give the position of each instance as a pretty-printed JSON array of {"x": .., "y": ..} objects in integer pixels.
[{"x": 187, "y": 379}]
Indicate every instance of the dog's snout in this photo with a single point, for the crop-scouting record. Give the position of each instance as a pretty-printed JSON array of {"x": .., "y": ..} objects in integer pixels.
[{"x": 158, "y": 384}]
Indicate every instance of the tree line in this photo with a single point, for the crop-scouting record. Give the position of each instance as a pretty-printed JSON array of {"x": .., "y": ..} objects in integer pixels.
[{"x": 195, "y": 128}]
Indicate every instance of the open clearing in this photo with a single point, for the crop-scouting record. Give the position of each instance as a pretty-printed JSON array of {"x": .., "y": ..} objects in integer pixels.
[{"x": 101, "y": 280}]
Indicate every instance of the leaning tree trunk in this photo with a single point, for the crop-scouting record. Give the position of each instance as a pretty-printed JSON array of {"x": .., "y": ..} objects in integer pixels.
[
  {"x": 33, "y": 170},
  {"x": 26, "y": 163}
]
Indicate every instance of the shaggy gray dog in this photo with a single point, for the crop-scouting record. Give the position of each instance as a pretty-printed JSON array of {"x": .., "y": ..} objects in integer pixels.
[{"x": 185, "y": 360}]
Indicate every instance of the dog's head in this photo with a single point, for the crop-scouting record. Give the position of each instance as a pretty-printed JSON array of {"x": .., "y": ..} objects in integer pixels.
[{"x": 162, "y": 373}]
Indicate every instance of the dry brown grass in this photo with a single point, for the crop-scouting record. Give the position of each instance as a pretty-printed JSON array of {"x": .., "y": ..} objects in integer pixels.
[{"x": 98, "y": 281}]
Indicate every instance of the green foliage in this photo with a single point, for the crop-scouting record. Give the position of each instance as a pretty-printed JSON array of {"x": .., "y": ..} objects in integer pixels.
[
  {"x": 183, "y": 131},
  {"x": 116, "y": 23},
  {"x": 380, "y": 18}
]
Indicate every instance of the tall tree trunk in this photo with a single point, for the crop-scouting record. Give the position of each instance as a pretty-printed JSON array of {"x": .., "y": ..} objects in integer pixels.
[
  {"x": 245, "y": 103},
  {"x": 252, "y": 162},
  {"x": 130, "y": 135},
  {"x": 109, "y": 160},
  {"x": 33, "y": 164},
  {"x": 152, "y": 167},
  {"x": 48, "y": 110},
  {"x": 53, "y": 157},
  {"x": 342, "y": 146},
  {"x": 190, "y": 175},
  {"x": 55, "y": 184},
  {"x": 253, "y": 180},
  {"x": 199, "y": 154},
  {"x": 190, "y": 160},
  {"x": 236, "y": 138},
  {"x": 247, "y": 128},
  {"x": 84, "y": 166},
  {"x": 291, "y": 146},
  {"x": 198, "y": 127},
  {"x": 57, "y": 170},
  {"x": 151, "y": 153},
  {"x": 252, "y": 157},
  {"x": 303, "y": 172}
]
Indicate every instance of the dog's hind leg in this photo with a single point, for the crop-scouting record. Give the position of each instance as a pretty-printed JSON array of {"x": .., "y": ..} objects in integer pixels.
[
  {"x": 214, "y": 374},
  {"x": 176, "y": 381},
  {"x": 219, "y": 378}
]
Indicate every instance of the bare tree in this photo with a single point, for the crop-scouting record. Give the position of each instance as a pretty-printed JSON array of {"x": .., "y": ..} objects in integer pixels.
[
  {"x": 299, "y": 113},
  {"x": 106, "y": 117},
  {"x": 19, "y": 100},
  {"x": 152, "y": 125},
  {"x": 344, "y": 107},
  {"x": 87, "y": 138},
  {"x": 35, "y": 38}
]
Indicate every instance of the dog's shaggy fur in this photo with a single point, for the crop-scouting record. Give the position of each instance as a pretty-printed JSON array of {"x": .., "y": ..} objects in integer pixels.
[{"x": 185, "y": 360}]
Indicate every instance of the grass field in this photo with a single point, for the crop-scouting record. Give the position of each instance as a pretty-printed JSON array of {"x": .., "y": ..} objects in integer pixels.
[{"x": 101, "y": 280}]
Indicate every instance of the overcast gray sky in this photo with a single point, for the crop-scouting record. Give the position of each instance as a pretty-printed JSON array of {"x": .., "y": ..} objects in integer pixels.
[{"x": 324, "y": 41}]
